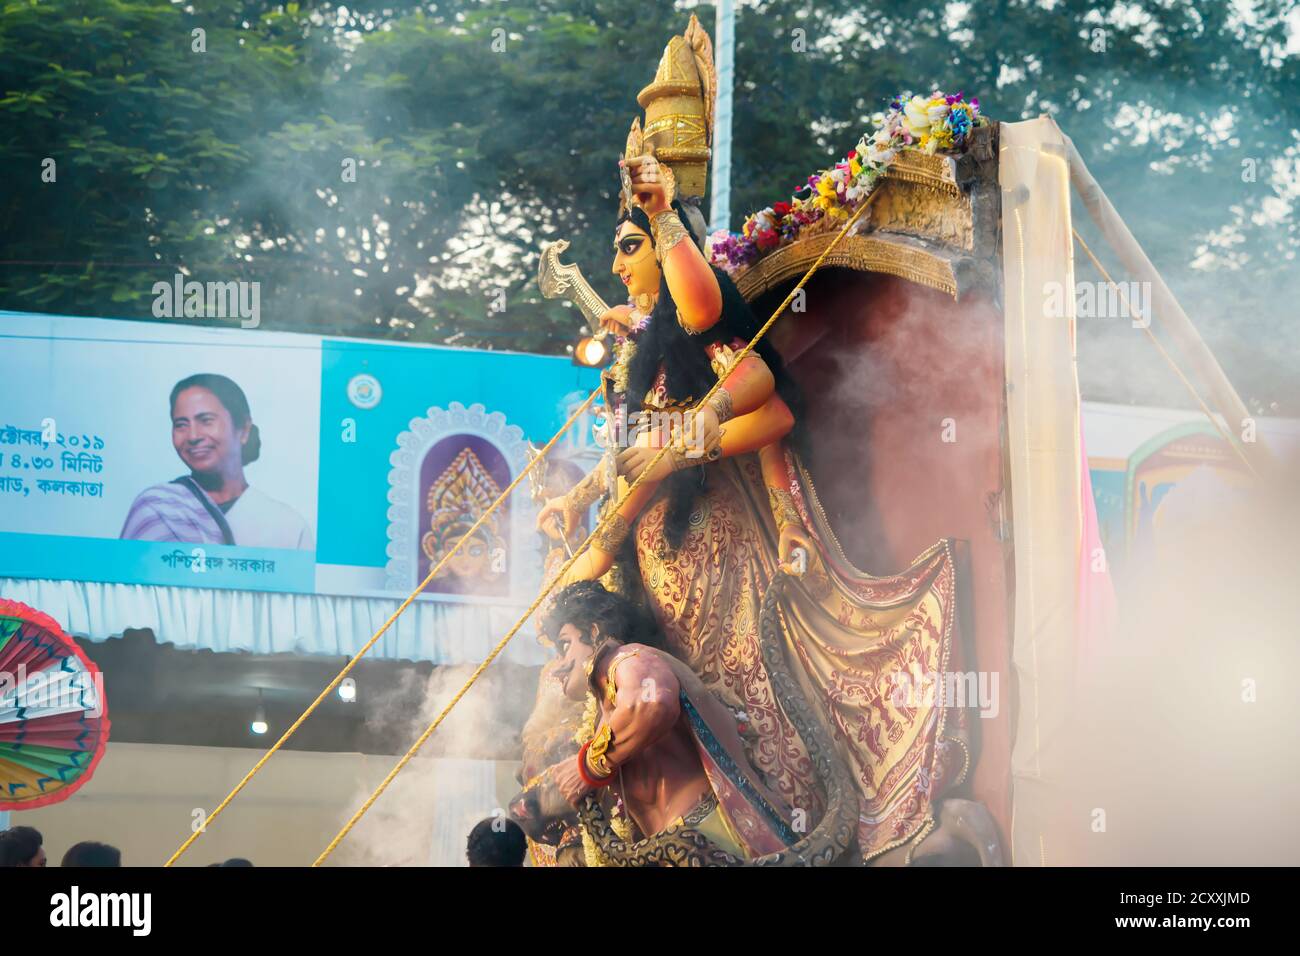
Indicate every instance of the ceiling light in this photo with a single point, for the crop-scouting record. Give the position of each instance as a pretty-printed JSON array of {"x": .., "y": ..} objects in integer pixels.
[{"x": 259, "y": 725}]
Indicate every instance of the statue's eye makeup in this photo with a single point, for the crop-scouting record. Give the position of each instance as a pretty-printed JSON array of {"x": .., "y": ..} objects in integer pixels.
[{"x": 630, "y": 245}]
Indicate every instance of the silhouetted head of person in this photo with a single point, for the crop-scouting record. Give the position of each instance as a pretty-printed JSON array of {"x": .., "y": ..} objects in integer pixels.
[
  {"x": 90, "y": 853},
  {"x": 21, "y": 846},
  {"x": 496, "y": 841}
]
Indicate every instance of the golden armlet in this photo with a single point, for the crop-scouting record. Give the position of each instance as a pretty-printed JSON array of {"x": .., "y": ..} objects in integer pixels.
[
  {"x": 613, "y": 534},
  {"x": 596, "y": 758},
  {"x": 667, "y": 231},
  {"x": 783, "y": 508}
]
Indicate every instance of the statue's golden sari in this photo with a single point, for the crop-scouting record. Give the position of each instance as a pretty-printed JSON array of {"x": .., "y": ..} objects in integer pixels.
[{"x": 859, "y": 643}]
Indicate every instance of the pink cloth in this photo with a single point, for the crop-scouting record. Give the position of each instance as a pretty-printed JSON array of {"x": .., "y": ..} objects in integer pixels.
[{"x": 1096, "y": 607}]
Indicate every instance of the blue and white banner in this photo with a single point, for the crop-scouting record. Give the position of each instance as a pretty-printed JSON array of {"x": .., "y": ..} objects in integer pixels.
[{"x": 159, "y": 454}]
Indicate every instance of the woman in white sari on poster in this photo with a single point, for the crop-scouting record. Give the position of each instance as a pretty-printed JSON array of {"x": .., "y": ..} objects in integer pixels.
[{"x": 214, "y": 435}]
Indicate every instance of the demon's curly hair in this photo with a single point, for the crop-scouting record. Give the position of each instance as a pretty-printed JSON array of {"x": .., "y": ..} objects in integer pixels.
[
  {"x": 585, "y": 603},
  {"x": 687, "y": 371}
]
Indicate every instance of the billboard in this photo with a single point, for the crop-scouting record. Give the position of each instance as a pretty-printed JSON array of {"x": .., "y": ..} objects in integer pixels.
[{"x": 156, "y": 454}]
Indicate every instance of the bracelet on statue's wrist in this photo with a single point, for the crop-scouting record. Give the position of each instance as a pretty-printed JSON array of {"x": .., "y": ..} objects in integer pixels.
[
  {"x": 681, "y": 460},
  {"x": 586, "y": 773},
  {"x": 597, "y": 762},
  {"x": 583, "y": 494},
  {"x": 783, "y": 509},
  {"x": 722, "y": 405}
]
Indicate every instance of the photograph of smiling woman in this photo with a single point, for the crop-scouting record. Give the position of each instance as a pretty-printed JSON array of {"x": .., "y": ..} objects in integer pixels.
[{"x": 214, "y": 435}]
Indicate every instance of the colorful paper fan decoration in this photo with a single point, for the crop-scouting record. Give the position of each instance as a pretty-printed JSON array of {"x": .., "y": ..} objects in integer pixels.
[{"x": 53, "y": 715}]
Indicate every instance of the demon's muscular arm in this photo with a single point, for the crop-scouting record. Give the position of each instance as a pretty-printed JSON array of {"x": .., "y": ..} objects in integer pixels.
[{"x": 644, "y": 710}]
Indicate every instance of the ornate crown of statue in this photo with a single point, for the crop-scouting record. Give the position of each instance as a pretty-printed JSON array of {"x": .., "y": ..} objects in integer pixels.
[
  {"x": 678, "y": 129},
  {"x": 455, "y": 500},
  {"x": 678, "y": 106}
]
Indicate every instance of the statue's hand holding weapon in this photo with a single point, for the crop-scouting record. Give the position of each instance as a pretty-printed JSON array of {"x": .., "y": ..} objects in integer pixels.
[
  {"x": 649, "y": 184},
  {"x": 652, "y": 184},
  {"x": 617, "y": 320},
  {"x": 558, "y": 518}
]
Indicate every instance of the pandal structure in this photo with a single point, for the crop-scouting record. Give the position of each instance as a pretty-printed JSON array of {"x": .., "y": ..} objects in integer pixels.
[{"x": 979, "y": 227}]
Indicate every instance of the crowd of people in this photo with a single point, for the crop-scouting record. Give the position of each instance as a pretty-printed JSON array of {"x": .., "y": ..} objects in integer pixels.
[
  {"x": 25, "y": 846},
  {"x": 495, "y": 841}
]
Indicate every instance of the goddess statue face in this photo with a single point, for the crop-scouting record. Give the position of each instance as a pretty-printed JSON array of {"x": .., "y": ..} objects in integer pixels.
[
  {"x": 634, "y": 260},
  {"x": 473, "y": 560}
]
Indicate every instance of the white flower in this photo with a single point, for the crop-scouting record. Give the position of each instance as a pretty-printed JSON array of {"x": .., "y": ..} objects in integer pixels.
[
  {"x": 917, "y": 117},
  {"x": 937, "y": 114}
]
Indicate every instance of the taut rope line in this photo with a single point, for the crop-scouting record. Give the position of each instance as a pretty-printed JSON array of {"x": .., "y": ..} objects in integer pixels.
[
  {"x": 428, "y": 732},
  {"x": 379, "y": 633},
  {"x": 1167, "y": 357}
]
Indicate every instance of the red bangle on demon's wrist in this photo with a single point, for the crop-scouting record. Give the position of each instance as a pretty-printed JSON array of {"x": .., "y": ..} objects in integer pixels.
[{"x": 585, "y": 772}]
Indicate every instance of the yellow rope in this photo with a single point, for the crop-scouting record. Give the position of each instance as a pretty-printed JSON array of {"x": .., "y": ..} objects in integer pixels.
[
  {"x": 1146, "y": 327},
  {"x": 428, "y": 732},
  {"x": 379, "y": 633}
]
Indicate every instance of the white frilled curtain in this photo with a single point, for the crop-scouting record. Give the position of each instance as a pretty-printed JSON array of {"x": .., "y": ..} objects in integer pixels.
[{"x": 442, "y": 632}]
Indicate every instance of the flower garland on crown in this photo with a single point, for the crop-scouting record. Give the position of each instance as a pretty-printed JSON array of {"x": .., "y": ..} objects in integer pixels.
[{"x": 937, "y": 123}]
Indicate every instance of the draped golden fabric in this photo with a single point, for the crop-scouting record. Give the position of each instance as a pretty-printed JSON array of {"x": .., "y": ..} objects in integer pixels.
[{"x": 866, "y": 648}]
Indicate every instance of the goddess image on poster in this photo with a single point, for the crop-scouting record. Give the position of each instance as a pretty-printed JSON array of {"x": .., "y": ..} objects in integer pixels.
[{"x": 214, "y": 435}]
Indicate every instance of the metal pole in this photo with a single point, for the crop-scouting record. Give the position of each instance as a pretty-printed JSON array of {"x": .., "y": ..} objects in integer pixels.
[{"x": 725, "y": 51}]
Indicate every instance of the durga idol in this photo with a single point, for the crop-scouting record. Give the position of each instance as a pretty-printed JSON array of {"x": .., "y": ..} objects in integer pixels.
[{"x": 727, "y": 536}]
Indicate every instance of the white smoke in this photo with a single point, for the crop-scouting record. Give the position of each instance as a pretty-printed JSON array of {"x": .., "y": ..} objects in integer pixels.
[{"x": 428, "y": 810}]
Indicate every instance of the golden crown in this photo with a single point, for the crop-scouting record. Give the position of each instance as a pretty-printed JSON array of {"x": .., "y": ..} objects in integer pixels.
[{"x": 678, "y": 106}]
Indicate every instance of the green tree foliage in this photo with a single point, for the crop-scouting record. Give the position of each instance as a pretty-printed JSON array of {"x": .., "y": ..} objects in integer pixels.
[{"x": 479, "y": 131}]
